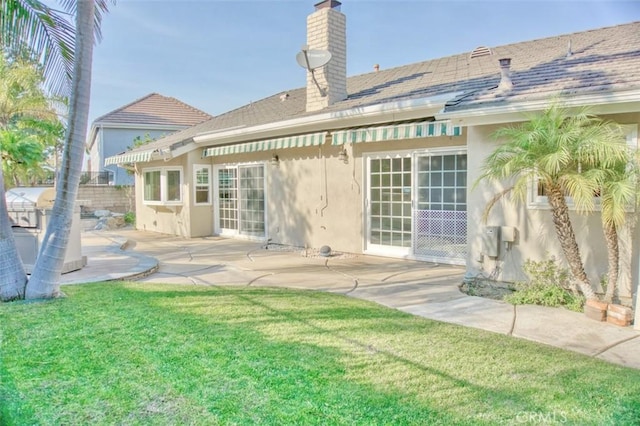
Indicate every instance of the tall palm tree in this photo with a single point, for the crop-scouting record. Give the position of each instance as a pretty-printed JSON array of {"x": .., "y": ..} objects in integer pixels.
[
  {"x": 568, "y": 154},
  {"x": 52, "y": 37},
  {"x": 45, "y": 279}
]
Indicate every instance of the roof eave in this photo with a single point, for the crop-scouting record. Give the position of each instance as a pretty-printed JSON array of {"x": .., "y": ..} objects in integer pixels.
[
  {"x": 601, "y": 103},
  {"x": 117, "y": 125},
  {"x": 358, "y": 116}
]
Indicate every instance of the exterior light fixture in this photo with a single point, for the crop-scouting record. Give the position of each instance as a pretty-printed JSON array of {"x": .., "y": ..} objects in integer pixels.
[
  {"x": 275, "y": 160},
  {"x": 343, "y": 156}
]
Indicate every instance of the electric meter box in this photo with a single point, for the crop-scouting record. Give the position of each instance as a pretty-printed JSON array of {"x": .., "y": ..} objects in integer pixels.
[{"x": 491, "y": 241}]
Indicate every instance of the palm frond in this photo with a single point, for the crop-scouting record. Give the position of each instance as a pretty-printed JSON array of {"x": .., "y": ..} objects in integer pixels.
[
  {"x": 46, "y": 32},
  {"x": 492, "y": 202}
]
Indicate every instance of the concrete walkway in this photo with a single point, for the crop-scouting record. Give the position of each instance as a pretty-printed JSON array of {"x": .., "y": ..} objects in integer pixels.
[{"x": 425, "y": 289}]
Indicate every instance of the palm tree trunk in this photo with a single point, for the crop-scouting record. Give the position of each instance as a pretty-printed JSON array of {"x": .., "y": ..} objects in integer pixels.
[
  {"x": 567, "y": 238},
  {"x": 613, "y": 257},
  {"x": 12, "y": 275},
  {"x": 626, "y": 255},
  {"x": 45, "y": 280}
]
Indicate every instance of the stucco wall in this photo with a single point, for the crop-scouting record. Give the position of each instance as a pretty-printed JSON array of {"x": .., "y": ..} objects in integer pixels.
[
  {"x": 536, "y": 238},
  {"x": 313, "y": 198},
  {"x": 173, "y": 220}
]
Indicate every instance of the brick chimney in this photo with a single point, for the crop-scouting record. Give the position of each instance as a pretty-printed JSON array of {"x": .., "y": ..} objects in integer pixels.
[{"x": 327, "y": 30}]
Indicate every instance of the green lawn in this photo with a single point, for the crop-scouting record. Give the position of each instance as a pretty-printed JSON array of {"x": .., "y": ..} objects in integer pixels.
[{"x": 156, "y": 354}]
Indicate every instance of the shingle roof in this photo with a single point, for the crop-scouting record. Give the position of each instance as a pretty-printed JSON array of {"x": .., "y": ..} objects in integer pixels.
[
  {"x": 602, "y": 60},
  {"x": 155, "y": 109}
]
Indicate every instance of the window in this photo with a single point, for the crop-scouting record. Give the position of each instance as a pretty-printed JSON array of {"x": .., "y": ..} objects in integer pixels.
[
  {"x": 202, "y": 184},
  {"x": 537, "y": 192},
  {"x": 162, "y": 185},
  {"x": 152, "y": 185}
]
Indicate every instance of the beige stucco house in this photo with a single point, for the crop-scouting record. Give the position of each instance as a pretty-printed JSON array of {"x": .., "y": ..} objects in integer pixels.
[{"x": 383, "y": 163}]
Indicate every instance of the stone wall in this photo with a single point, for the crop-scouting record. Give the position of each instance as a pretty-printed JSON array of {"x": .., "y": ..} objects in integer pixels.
[{"x": 119, "y": 199}]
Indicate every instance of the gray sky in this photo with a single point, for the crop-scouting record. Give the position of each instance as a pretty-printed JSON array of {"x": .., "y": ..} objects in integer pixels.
[{"x": 219, "y": 55}]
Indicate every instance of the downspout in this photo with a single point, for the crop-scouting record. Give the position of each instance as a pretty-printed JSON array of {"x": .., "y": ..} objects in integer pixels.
[
  {"x": 353, "y": 171},
  {"x": 323, "y": 184}
]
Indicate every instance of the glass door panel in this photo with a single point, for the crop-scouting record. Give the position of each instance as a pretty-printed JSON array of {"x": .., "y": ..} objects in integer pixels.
[
  {"x": 252, "y": 200},
  {"x": 441, "y": 214},
  {"x": 240, "y": 203},
  {"x": 389, "y": 212},
  {"x": 228, "y": 199}
]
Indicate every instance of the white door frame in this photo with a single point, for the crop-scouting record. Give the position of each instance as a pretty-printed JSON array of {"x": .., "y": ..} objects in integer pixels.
[
  {"x": 394, "y": 251},
  {"x": 368, "y": 246},
  {"x": 235, "y": 233}
]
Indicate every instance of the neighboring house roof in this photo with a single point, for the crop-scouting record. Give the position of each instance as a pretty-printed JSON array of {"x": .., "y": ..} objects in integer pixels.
[
  {"x": 600, "y": 61},
  {"x": 155, "y": 109}
]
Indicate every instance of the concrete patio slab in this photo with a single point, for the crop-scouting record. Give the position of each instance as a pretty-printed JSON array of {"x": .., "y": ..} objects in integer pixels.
[{"x": 419, "y": 288}]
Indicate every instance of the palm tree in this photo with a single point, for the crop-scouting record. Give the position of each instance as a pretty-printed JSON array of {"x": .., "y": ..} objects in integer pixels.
[
  {"x": 569, "y": 155},
  {"x": 45, "y": 279},
  {"x": 619, "y": 193},
  {"x": 53, "y": 39}
]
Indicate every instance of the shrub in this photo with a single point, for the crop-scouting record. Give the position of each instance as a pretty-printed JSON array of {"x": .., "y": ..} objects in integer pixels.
[
  {"x": 130, "y": 218},
  {"x": 548, "y": 285}
]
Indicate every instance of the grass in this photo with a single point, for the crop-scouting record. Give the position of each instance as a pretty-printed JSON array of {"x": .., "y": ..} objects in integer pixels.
[{"x": 139, "y": 354}]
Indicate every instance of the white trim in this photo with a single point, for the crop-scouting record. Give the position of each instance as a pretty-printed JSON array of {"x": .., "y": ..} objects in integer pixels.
[
  {"x": 615, "y": 102},
  {"x": 368, "y": 115},
  {"x": 368, "y": 247},
  {"x": 140, "y": 126},
  {"x": 164, "y": 186},
  {"x": 195, "y": 169},
  {"x": 440, "y": 151},
  {"x": 216, "y": 201},
  {"x": 395, "y": 251}
]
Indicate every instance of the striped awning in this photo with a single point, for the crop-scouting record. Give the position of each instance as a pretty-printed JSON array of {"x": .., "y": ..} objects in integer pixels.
[
  {"x": 311, "y": 139},
  {"x": 424, "y": 129},
  {"x": 129, "y": 157}
]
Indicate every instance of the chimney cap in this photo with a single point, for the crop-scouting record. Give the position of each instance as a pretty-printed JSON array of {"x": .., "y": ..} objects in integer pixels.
[
  {"x": 505, "y": 62},
  {"x": 330, "y": 4}
]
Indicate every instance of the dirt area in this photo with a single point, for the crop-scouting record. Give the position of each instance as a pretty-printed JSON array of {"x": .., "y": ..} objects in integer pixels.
[{"x": 487, "y": 288}]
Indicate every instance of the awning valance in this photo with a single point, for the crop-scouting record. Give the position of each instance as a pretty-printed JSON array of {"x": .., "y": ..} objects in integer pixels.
[
  {"x": 310, "y": 139},
  {"x": 129, "y": 157},
  {"x": 422, "y": 129}
]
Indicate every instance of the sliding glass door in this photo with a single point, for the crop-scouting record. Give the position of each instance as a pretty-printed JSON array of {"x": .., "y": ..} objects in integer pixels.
[
  {"x": 416, "y": 205},
  {"x": 240, "y": 200}
]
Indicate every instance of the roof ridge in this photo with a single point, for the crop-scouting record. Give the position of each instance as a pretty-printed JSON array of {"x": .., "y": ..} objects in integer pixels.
[
  {"x": 125, "y": 106},
  {"x": 191, "y": 107}
]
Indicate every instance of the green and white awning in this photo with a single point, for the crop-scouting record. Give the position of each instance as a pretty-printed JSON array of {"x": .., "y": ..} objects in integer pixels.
[
  {"x": 310, "y": 139},
  {"x": 423, "y": 129},
  {"x": 129, "y": 157}
]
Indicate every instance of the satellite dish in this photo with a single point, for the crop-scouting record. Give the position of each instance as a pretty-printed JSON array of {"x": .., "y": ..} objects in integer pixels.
[{"x": 313, "y": 58}]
